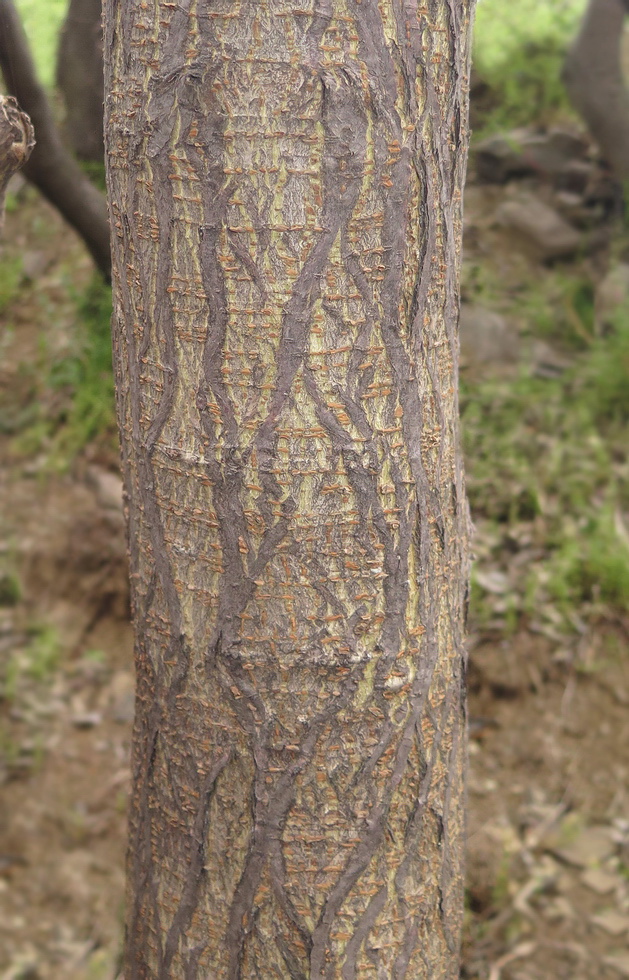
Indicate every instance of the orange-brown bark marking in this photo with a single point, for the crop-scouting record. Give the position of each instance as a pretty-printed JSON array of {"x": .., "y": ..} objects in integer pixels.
[{"x": 285, "y": 191}]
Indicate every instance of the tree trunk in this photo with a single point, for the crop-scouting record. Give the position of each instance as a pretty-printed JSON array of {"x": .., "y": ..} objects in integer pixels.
[
  {"x": 594, "y": 79},
  {"x": 285, "y": 188},
  {"x": 80, "y": 77}
]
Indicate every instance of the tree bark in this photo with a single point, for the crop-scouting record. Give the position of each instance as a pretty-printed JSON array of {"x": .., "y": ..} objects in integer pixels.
[
  {"x": 17, "y": 140},
  {"x": 80, "y": 78},
  {"x": 594, "y": 79},
  {"x": 285, "y": 190},
  {"x": 51, "y": 168}
]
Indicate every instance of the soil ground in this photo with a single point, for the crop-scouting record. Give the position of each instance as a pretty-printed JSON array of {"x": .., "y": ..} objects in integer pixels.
[{"x": 548, "y": 844}]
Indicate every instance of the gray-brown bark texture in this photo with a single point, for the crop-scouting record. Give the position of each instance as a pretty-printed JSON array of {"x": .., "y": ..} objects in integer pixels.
[
  {"x": 285, "y": 186},
  {"x": 594, "y": 78},
  {"x": 80, "y": 77}
]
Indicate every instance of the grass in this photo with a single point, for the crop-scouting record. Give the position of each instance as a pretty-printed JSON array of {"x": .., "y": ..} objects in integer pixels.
[
  {"x": 606, "y": 379},
  {"x": 42, "y": 22},
  {"x": 518, "y": 52},
  {"x": 10, "y": 589},
  {"x": 547, "y": 466},
  {"x": 86, "y": 374},
  {"x": 36, "y": 663},
  {"x": 69, "y": 393},
  {"x": 11, "y": 276}
]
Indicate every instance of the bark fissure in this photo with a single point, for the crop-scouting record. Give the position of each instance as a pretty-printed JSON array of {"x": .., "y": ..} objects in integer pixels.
[{"x": 285, "y": 201}]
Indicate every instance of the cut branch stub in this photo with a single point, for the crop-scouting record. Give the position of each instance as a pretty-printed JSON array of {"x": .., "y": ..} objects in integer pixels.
[{"x": 17, "y": 139}]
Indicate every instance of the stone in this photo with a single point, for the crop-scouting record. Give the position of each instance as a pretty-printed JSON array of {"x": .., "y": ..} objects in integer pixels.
[
  {"x": 90, "y": 719},
  {"x": 599, "y": 881},
  {"x": 615, "y": 923},
  {"x": 493, "y": 581},
  {"x": 560, "y": 910},
  {"x": 618, "y": 962},
  {"x": 487, "y": 337},
  {"x": 17, "y": 184},
  {"x": 587, "y": 848},
  {"x": 540, "y": 226},
  {"x": 34, "y": 263},
  {"x": 576, "y": 177},
  {"x": 611, "y": 297},
  {"x": 546, "y": 361},
  {"x": 25, "y": 967},
  {"x": 121, "y": 695},
  {"x": 107, "y": 487},
  {"x": 522, "y": 152}
]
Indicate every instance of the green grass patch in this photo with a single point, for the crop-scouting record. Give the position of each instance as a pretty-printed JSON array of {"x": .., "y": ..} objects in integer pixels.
[
  {"x": 71, "y": 395},
  {"x": 11, "y": 275},
  {"x": 42, "y": 20},
  {"x": 547, "y": 465},
  {"x": 10, "y": 589},
  {"x": 86, "y": 375},
  {"x": 36, "y": 663},
  {"x": 519, "y": 49},
  {"x": 605, "y": 386}
]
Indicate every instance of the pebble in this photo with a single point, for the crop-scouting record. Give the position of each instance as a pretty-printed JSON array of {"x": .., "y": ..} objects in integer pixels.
[
  {"x": 540, "y": 226},
  {"x": 611, "y": 921},
  {"x": 587, "y": 849},
  {"x": 599, "y": 880},
  {"x": 87, "y": 720},
  {"x": 486, "y": 337},
  {"x": 619, "y": 962}
]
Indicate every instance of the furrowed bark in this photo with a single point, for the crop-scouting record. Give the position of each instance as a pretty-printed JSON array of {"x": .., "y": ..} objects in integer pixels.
[
  {"x": 285, "y": 192},
  {"x": 51, "y": 168}
]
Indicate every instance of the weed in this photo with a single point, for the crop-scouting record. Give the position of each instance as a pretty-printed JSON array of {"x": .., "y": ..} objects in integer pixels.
[
  {"x": 9, "y": 748},
  {"x": 10, "y": 589},
  {"x": 100, "y": 965},
  {"x": 42, "y": 653},
  {"x": 36, "y": 662},
  {"x": 79, "y": 387},
  {"x": 603, "y": 570},
  {"x": 97, "y": 657},
  {"x": 500, "y": 893},
  {"x": 88, "y": 373},
  {"x": 11, "y": 201},
  {"x": 95, "y": 170},
  {"x": 606, "y": 379},
  {"x": 547, "y": 464},
  {"x": 11, "y": 276}
]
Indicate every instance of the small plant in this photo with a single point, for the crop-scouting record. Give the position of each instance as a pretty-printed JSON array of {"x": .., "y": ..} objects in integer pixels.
[
  {"x": 88, "y": 373},
  {"x": 10, "y": 589},
  {"x": 10, "y": 279},
  {"x": 606, "y": 379},
  {"x": 77, "y": 402},
  {"x": 546, "y": 462},
  {"x": 42, "y": 653},
  {"x": 36, "y": 662}
]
